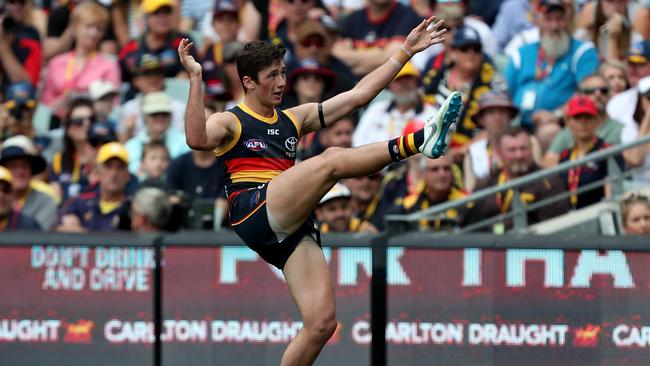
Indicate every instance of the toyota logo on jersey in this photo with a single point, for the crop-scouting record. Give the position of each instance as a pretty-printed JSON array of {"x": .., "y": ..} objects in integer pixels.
[
  {"x": 255, "y": 144},
  {"x": 291, "y": 143}
]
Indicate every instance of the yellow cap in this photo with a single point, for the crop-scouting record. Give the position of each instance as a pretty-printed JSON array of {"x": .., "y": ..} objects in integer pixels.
[
  {"x": 112, "y": 150},
  {"x": 150, "y": 6},
  {"x": 5, "y": 175},
  {"x": 408, "y": 70}
]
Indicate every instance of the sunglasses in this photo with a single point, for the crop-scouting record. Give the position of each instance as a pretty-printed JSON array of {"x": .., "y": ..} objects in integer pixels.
[
  {"x": 79, "y": 121},
  {"x": 471, "y": 47},
  {"x": 318, "y": 42},
  {"x": 163, "y": 10},
  {"x": 592, "y": 91},
  {"x": 16, "y": 2},
  {"x": 445, "y": 168}
]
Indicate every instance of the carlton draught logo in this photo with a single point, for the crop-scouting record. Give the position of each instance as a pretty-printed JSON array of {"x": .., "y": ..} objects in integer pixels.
[
  {"x": 80, "y": 332},
  {"x": 587, "y": 336}
]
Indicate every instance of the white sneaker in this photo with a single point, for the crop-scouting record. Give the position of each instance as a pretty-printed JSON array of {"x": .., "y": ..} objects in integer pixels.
[{"x": 435, "y": 131}]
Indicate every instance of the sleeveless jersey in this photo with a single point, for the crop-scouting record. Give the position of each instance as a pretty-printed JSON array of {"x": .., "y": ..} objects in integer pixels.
[{"x": 262, "y": 148}]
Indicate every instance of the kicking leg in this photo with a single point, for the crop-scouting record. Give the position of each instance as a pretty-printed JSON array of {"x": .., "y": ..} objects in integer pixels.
[
  {"x": 310, "y": 284},
  {"x": 292, "y": 195}
]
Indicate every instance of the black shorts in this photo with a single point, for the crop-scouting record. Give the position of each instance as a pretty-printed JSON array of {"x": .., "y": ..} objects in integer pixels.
[{"x": 249, "y": 218}]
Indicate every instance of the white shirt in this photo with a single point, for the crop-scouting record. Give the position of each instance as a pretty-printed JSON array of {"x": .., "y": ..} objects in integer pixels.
[{"x": 381, "y": 122}]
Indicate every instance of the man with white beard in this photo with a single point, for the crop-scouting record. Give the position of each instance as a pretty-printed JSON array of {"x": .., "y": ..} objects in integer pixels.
[
  {"x": 543, "y": 75},
  {"x": 514, "y": 148},
  {"x": 385, "y": 119}
]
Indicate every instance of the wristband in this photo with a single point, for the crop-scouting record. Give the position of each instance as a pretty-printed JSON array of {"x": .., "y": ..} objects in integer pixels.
[
  {"x": 401, "y": 47},
  {"x": 395, "y": 62},
  {"x": 321, "y": 116}
]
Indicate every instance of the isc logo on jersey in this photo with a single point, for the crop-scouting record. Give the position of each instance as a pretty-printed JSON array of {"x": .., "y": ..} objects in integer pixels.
[{"x": 255, "y": 144}]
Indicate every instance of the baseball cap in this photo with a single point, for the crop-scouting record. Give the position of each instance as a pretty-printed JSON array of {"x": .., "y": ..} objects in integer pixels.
[
  {"x": 581, "y": 105},
  {"x": 149, "y": 63},
  {"x": 311, "y": 27},
  {"x": 465, "y": 36},
  {"x": 20, "y": 94},
  {"x": 157, "y": 102},
  {"x": 548, "y": 5},
  {"x": 112, "y": 150},
  {"x": 311, "y": 66},
  {"x": 338, "y": 191},
  {"x": 639, "y": 52},
  {"x": 5, "y": 176},
  {"x": 151, "y": 6},
  {"x": 101, "y": 133},
  {"x": 101, "y": 88},
  {"x": 407, "y": 70},
  {"x": 224, "y": 6}
]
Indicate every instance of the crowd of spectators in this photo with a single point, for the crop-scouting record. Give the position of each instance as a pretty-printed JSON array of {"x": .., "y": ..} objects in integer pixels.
[{"x": 92, "y": 106}]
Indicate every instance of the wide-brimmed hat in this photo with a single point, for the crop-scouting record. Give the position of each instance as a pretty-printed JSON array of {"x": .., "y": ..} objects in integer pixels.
[
  {"x": 494, "y": 99},
  {"x": 22, "y": 147},
  {"x": 311, "y": 66}
]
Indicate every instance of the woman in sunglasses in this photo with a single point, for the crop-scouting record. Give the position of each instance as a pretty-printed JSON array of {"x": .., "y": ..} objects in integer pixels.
[
  {"x": 73, "y": 164},
  {"x": 635, "y": 214}
]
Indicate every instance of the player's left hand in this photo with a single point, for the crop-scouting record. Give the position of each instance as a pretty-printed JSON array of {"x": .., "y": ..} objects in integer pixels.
[{"x": 424, "y": 35}]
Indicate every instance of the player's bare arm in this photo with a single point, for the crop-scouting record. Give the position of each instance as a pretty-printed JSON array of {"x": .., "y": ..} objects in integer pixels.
[
  {"x": 202, "y": 134},
  {"x": 421, "y": 37}
]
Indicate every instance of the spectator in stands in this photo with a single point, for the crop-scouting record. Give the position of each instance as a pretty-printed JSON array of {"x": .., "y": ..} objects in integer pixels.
[
  {"x": 606, "y": 23},
  {"x": 157, "y": 111},
  {"x": 386, "y": 119},
  {"x": 31, "y": 13},
  {"x": 338, "y": 134},
  {"x": 583, "y": 118},
  {"x": 155, "y": 161},
  {"x": 19, "y": 107},
  {"x": 543, "y": 75},
  {"x": 70, "y": 74},
  {"x": 148, "y": 78},
  {"x": 225, "y": 21},
  {"x": 514, "y": 148},
  {"x": 438, "y": 188},
  {"x": 10, "y": 217},
  {"x": 20, "y": 47},
  {"x": 494, "y": 115},
  {"x": 151, "y": 210},
  {"x": 197, "y": 174},
  {"x": 455, "y": 15},
  {"x": 103, "y": 95},
  {"x": 514, "y": 17},
  {"x": 308, "y": 83},
  {"x": 293, "y": 14},
  {"x": 73, "y": 165},
  {"x": 635, "y": 214},
  {"x": 638, "y": 62},
  {"x": 315, "y": 41},
  {"x": 159, "y": 39},
  {"x": 616, "y": 76},
  {"x": 637, "y": 125},
  {"x": 99, "y": 210},
  {"x": 335, "y": 215},
  {"x": 19, "y": 155},
  {"x": 365, "y": 198},
  {"x": 594, "y": 87},
  {"x": 372, "y": 34},
  {"x": 341, "y": 8},
  {"x": 470, "y": 73}
]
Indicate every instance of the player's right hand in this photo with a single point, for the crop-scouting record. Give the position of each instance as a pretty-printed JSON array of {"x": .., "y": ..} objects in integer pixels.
[{"x": 190, "y": 64}]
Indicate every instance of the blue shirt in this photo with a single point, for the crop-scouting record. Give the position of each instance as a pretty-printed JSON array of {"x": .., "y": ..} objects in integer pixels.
[
  {"x": 86, "y": 208},
  {"x": 557, "y": 87},
  {"x": 174, "y": 141},
  {"x": 514, "y": 16}
]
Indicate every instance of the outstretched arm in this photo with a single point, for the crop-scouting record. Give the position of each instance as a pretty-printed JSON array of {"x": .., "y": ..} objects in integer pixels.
[
  {"x": 199, "y": 133},
  {"x": 343, "y": 104}
]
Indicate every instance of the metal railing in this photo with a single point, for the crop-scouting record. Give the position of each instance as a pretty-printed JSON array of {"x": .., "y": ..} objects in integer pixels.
[{"x": 408, "y": 222}]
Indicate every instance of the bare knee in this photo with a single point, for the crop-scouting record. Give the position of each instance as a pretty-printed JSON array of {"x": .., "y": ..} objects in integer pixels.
[
  {"x": 330, "y": 160},
  {"x": 322, "y": 326}
]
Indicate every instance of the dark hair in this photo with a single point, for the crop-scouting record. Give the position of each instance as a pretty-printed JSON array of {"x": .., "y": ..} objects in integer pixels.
[
  {"x": 153, "y": 145},
  {"x": 256, "y": 56},
  {"x": 512, "y": 131},
  {"x": 69, "y": 150}
]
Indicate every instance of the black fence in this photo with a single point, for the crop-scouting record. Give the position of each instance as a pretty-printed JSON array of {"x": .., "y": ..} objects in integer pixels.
[{"x": 203, "y": 298}]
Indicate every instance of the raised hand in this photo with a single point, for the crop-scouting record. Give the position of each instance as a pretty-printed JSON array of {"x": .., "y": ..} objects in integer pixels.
[
  {"x": 424, "y": 35},
  {"x": 190, "y": 64}
]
